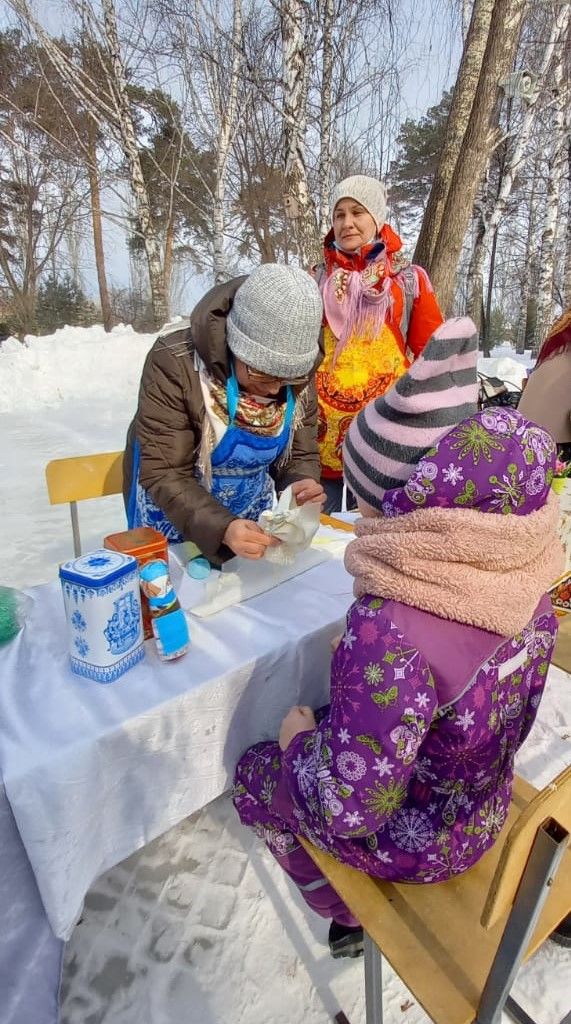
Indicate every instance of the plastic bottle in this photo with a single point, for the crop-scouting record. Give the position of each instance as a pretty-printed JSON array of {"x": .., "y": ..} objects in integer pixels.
[{"x": 170, "y": 627}]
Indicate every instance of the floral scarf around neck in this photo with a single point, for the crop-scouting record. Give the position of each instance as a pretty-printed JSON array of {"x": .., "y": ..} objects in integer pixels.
[
  {"x": 258, "y": 418},
  {"x": 357, "y": 287}
]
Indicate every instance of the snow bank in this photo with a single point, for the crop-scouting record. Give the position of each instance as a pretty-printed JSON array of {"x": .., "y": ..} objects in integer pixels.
[
  {"x": 75, "y": 362},
  {"x": 86, "y": 363},
  {"x": 506, "y": 364}
]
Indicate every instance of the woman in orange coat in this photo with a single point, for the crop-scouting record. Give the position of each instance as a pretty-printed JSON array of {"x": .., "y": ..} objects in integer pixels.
[{"x": 379, "y": 314}]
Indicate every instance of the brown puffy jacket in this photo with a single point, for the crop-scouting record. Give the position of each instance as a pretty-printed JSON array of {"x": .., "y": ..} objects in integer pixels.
[{"x": 168, "y": 426}]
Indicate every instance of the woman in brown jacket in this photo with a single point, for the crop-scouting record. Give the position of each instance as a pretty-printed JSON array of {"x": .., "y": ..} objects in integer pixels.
[{"x": 227, "y": 415}]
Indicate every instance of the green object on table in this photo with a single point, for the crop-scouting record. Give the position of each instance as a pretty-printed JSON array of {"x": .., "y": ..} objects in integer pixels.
[{"x": 13, "y": 606}]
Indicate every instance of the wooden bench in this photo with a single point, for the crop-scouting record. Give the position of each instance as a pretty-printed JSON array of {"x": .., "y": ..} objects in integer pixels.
[{"x": 457, "y": 945}]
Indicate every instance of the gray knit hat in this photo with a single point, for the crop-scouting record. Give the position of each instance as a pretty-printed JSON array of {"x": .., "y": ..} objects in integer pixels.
[
  {"x": 369, "y": 192},
  {"x": 275, "y": 320}
]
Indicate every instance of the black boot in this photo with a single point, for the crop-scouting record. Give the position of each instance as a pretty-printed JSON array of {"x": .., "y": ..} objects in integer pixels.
[
  {"x": 562, "y": 934},
  {"x": 345, "y": 941}
]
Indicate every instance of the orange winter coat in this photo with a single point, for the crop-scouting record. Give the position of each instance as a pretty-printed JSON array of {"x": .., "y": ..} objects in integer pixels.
[{"x": 378, "y": 350}]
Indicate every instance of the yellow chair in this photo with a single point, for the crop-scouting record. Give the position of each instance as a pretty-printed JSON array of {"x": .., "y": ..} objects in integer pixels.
[
  {"x": 457, "y": 945},
  {"x": 85, "y": 476}
]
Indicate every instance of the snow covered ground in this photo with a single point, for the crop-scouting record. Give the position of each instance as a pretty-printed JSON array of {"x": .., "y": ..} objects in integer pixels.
[
  {"x": 70, "y": 393},
  {"x": 201, "y": 926}
]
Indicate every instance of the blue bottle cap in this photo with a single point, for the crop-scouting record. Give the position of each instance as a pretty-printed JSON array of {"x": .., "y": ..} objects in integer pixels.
[{"x": 198, "y": 568}]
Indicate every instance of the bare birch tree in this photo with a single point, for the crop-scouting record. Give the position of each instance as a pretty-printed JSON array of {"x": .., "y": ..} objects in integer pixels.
[
  {"x": 97, "y": 223},
  {"x": 513, "y": 164},
  {"x": 137, "y": 181},
  {"x": 475, "y": 277},
  {"x": 556, "y": 171},
  {"x": 466, "y": 15},
  {"x": 529, "y": 263},
  {"x": 40, "y": 201},
  {"x": 228, "y": 110},
  {"x": 477, "y": 145},
  {"x": 110, "y": 109},
  {"x": 460, "y": 111},
  {"x": 325, "y": 153},
  {"x": 296, "y": 60}
]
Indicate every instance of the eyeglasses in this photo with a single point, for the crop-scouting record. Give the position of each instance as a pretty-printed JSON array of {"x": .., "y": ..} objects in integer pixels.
[{"x": 264, "y": 378}]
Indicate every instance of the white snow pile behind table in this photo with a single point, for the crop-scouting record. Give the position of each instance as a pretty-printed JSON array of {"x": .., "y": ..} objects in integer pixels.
[
  {"x": 74, "y": 363},
  {"x": 85, "y": 362},
  {"x": 506, "y": 364}
]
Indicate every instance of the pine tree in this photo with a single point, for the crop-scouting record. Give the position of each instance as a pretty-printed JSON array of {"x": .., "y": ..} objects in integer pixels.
[
  {"x": 419, "y": 145},
  {"x": 61, "y": 301}
]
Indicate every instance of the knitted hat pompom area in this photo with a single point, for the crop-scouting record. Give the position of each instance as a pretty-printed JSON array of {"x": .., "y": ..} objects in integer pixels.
[
  {"x": 369, "y": 192},
  {"x": 275, "y": 320},
  {"x": 390, "y": 436}
]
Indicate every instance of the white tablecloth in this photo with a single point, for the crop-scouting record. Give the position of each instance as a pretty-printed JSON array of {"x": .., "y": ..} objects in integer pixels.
[
  {"x": 30, "y": 955},
  {"x": 94, "y": 772}
]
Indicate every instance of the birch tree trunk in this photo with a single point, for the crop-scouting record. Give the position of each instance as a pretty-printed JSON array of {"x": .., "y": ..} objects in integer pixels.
[
  {"x": 529, "y": 259},
  {"x": 168, "y": 254},
  {"x": 325, "y": 126},
  {"x": 297, "y": 200},
  {"x": 131, "y": 149},
  {"x": 556, "y": 171},
  {"x": 96, "y": 223},
  {"x": 476, "y": 147},
  {"x": 227, "y": 115},
  {"x": 487, "y": 342},
  {"x": 460, "y": 110},
  {"x": 513, "y": 164},
  {"x": 466, "y": 15},
  {"x": 476, "y": 273}
]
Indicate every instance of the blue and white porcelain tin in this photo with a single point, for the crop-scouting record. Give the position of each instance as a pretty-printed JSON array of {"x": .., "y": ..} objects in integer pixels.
[{"x": 103, "y": 609}]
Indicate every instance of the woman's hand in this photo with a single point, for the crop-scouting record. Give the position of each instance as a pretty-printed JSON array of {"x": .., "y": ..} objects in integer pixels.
[
  {"x": 299, "y": 719},
  {"x": 308, "y": 491},
  {"x": 247, "y": 539}
]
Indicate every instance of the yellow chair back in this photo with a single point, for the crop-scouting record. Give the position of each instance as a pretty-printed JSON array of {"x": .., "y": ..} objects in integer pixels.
[{"x": 80, "y": 477}]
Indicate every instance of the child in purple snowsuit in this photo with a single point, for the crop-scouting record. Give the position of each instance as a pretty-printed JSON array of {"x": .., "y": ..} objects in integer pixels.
[{"x": 436, "y": 681}]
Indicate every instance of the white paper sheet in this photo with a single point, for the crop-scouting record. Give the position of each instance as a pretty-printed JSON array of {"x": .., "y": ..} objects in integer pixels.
[{"x": 242, "y": 579}]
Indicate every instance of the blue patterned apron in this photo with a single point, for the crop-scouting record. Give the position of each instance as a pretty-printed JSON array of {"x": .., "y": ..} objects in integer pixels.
[{"x": 240, "y": 465}]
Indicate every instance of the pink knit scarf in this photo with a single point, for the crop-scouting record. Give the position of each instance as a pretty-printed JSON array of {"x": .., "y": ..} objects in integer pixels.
[
  {"x": 355, "y": 300},
  {"x": 474, "y": 567}
]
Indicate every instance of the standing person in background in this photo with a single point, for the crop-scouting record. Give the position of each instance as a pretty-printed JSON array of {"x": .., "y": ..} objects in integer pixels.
[
  {"x": 227, "y": 415},
  {"x": 547, "y": 395},
  {"x": 379, "y": 314}
]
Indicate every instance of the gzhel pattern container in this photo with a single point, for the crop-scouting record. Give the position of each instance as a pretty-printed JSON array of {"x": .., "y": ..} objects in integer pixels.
[{"x": 103, "y": 610}]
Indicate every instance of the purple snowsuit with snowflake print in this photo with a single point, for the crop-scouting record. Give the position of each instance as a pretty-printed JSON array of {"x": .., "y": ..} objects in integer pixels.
[{"x": 397, "y": 779}]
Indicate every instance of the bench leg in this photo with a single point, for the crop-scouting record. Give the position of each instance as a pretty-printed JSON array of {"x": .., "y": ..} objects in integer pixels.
[
  {"x": 517, "y": 1012},
  {"x": 75, "y": 529},
  {"x": 373, "y": 982},
  {"x": 548, "y": 849}
]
